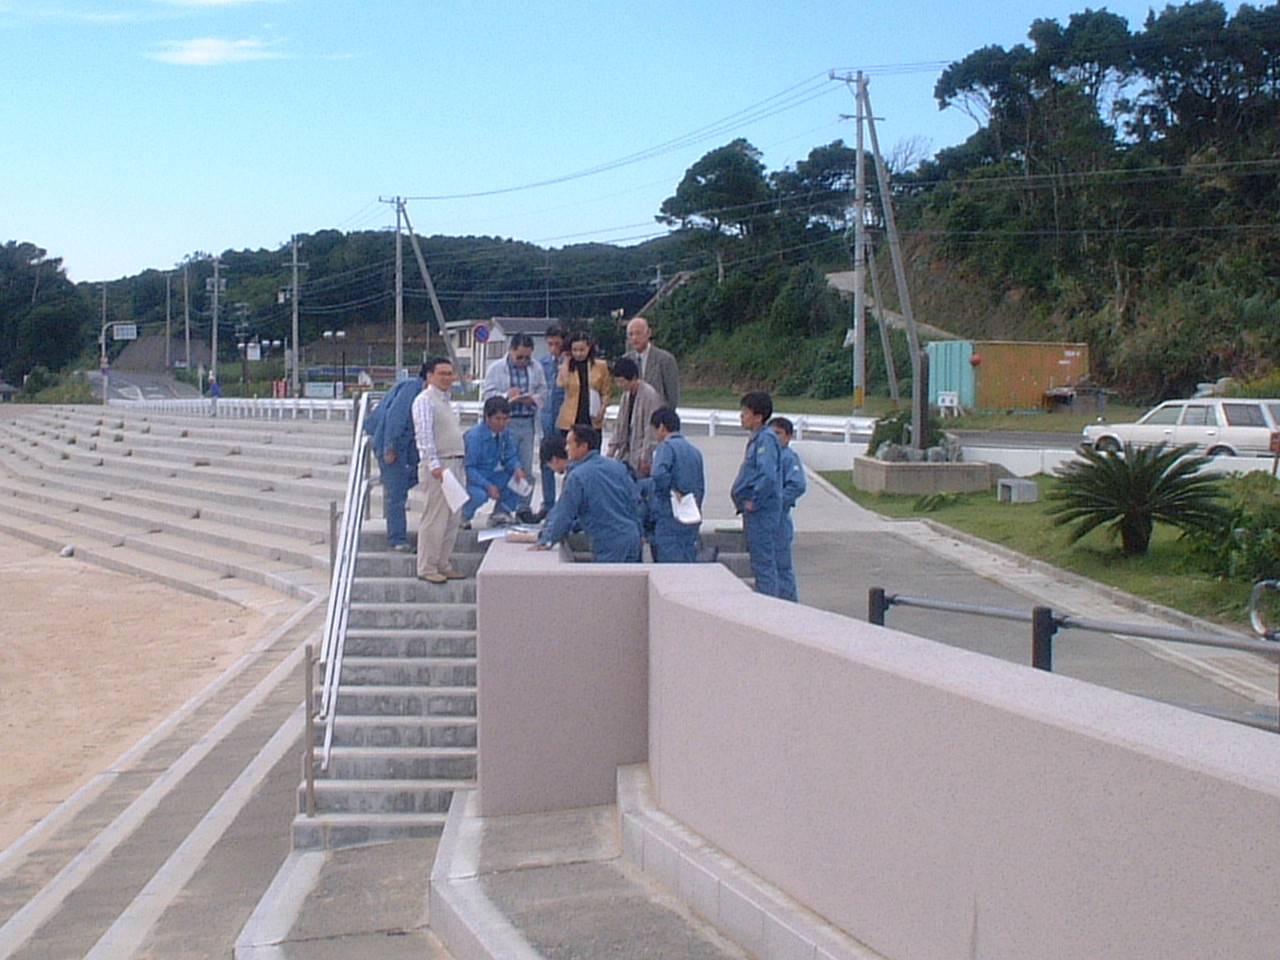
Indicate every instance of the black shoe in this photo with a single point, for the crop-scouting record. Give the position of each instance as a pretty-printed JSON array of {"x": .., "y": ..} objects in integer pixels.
[{"x": 526, "y": 516}]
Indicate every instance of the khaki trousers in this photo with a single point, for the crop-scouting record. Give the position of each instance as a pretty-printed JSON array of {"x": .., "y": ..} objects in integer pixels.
[{"x": 438, "y": 529}]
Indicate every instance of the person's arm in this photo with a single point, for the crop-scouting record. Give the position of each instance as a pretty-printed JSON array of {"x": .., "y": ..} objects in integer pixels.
[
  {"x": 495, "y": 382},
  {"x": 424, "y": 430},
  {"x": 671, "y": 382},
  {"x": 560, "y": 519}
]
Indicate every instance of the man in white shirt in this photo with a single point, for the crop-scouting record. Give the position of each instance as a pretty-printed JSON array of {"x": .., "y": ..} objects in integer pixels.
[{"x": 438, "y": 434}]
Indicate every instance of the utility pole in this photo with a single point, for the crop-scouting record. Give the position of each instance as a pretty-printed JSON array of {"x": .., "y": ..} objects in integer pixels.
[
  {"x": 399, "y": 285},
  {"x": 168, "y": 322},
  {"x": 294, "y": 296},
  {"x": 431, "y": 287},
  {"x": 216, "y": 286},
  {"x": 186, "y": 311},
  {"x": 860, "y": 262}
]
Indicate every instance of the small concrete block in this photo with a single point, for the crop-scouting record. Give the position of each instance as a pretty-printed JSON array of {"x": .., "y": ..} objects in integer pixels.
[
  {"x": 1017, "y": 491},
  {"x": 633, "y": 840},
  {"x": 781, "y": 942},
  {"x": 697, "y": 886},
  {"x": 741, "y": 919}
]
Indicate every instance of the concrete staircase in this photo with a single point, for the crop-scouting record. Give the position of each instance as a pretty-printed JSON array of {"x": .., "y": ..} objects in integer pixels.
[
  {"x": 405, "y": 728},
  {"x": 237, "y": 510}
]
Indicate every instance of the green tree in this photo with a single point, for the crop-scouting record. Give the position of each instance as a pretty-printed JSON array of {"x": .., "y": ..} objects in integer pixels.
[
  {"x": 724, "y": 192},
  {"x": 1130, "y": 491}
]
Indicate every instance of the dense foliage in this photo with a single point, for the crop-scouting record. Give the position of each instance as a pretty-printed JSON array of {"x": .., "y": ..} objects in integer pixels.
[{"x": 44, "y": 320}]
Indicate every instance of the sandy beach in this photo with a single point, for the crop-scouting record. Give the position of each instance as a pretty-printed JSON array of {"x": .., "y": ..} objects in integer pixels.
[{"x": 90, "y": 661}]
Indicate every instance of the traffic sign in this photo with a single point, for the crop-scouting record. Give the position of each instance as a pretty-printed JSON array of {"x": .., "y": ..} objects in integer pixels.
[
  {"x": 481, "y": 332},
  {"x": 124, "y": 331}
]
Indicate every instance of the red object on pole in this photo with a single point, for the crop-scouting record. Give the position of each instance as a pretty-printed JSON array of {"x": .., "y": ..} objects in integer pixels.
[{"x": 975, "y": 359}]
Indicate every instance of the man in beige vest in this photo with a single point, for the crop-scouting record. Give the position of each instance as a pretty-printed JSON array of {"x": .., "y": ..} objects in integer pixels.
[{"x": 438, "y": 434}]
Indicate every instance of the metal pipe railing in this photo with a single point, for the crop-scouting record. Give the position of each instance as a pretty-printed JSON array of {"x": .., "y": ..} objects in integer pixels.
[{"x": 1045, "y": 623}]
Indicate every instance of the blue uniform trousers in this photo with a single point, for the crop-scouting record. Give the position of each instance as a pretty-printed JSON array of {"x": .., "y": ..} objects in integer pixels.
[
  {"x": 786, "y": 568},
  {"x": 673, "y": 541},
  {"x": 522, "y": 431},
  {"x": 763, "y": 528},
  {"x": 508, "y": 499},
  {"x": 397, "y": 478}
]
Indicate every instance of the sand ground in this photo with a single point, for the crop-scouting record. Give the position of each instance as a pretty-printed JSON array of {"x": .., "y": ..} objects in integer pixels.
[{"x": 91, "y": 661}]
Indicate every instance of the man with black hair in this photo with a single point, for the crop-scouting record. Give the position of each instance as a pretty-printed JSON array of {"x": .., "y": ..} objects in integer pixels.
[
  {"x": 757, "y": 491},
  {"x": 677, "y": 470},
  {"x": 600, "y": 495},
  {"x": 793, "y": 488},
  {"x": 549, "y": 412},
  {"x": 492, "y": 462},
  {"x": 438, "y": 434},
  {"x": 521, "y": 382}
]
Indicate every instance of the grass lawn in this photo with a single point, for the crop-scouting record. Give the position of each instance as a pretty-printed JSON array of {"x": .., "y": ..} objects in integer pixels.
[
  {"x": 1166, "y": 575},
  {"x": 1072, "y": 423}
]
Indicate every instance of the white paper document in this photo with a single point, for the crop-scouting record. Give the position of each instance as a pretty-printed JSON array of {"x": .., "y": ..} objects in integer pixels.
[
  {"x": 521, "y": 487},
  {"x": 455, "y": 494},
  {"x": 686, "y": 508}
]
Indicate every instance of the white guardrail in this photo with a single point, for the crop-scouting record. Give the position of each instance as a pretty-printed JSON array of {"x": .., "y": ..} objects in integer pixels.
[{"x": 808, "y": 426}]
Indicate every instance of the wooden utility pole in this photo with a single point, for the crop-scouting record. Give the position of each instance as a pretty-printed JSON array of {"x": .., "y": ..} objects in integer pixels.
[
  {"x": 399, "y": 201},
  {"x": 431, "y": 287}
]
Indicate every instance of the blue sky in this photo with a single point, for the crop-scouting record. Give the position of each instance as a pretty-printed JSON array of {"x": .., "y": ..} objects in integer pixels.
[{"x": 136, "y": 132}]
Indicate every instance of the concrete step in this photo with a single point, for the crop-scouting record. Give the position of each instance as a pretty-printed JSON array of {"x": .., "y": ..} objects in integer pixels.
[
  {"x": 406, "y": 700},
  {"x": 402, "y": 763},
  {"x": 409, "y": 589},
  {"x": 126, "y": 559},
  {"x": 448, "y": 731},
  {"x": 382, "y": 796},
  {"x": 337, "y": 829},
  {"x": 373, "y": 564},
  {"x": 409, "y": 671},
  {"x": 410, "y": 642},
  {"x": 444, "y": 614}
]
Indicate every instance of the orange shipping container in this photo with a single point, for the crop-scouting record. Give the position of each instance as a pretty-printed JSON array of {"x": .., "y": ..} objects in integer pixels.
[{"x": 1013, "y": 375}]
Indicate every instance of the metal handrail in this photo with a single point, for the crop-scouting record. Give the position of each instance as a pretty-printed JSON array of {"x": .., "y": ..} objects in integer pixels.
[{"x": 333, "y": 644}]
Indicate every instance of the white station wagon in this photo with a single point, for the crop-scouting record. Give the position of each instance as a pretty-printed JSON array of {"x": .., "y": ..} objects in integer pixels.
[{"x": 1218, "y": 426}]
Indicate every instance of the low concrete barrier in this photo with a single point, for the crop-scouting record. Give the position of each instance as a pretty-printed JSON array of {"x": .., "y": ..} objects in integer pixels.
[{"x": 929, "y": 801}]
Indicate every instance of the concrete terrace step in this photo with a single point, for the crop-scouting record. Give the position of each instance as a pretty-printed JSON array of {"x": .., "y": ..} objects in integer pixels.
[
  {"x": 417, "y": 616},
  {"x": 341, "y": 829},
  {"x": 406, "y": 731},
  {"x": 409, "y": 589},
  {"x": 406, "y": 700},
  {"x": 117, "y": 554},
  {"x": 402, "y": 763},
  {"x": 409, "y": 671},
  {"x": 374, "y": 642},
  {"x": 382, "y": 796}
]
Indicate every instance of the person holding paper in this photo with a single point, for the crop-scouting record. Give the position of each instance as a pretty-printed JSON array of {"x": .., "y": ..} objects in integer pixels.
[
  {"x": 438, "y": 434},
  {"x": 588, "y": 386},
  {"x": 793, "y": 488},
  {"x": 523, "y": 384},
  {"x": 757, "y": 491},
  {"x": 676, "y": 486},
  {"x": 493, "y": 465}
]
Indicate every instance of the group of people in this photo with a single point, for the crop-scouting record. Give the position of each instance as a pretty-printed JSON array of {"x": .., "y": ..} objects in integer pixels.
[{"x": 649, "y": 487}]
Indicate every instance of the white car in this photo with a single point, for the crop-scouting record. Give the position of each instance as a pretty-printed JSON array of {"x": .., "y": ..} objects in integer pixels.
[{"x": 1218, "y": 426}]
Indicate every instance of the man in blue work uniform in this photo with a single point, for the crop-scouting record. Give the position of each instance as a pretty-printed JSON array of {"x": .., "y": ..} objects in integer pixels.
[
  {"x": 676, "y": 468},
  {"x": 549, "y": 412},
  {"x": 757, "y": 492},
  {"x": 600, "y": 494},
  {"x": 492, "y": 461},
  {"x": 390, "y": 429},
  {"x": 793, "y": 488}
]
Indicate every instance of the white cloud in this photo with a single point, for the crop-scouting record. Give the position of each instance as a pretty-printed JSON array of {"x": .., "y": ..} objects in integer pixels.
[{"x": 214, "y": 51}]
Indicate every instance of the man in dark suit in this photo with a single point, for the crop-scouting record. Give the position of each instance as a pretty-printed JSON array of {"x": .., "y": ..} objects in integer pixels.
[{"x": 657, "y": 366}]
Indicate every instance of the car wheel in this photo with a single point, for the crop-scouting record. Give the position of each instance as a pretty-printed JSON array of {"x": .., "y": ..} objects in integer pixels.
[
  {"x": 1107, "y": 445},
  {"x": 1221, "y": 452}
]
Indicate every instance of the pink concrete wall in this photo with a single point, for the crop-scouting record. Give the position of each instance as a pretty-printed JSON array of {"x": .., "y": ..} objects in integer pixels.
[
  {"x": 937, "y": 803},
  {"x": 562, "y": 661}
]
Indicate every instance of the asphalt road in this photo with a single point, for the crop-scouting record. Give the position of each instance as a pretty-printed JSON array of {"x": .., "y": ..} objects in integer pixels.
[{"x": 134, "y": 385}]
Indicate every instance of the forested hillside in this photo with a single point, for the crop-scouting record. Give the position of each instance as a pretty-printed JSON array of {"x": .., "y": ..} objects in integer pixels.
[{"x": 1122, "y": 187}]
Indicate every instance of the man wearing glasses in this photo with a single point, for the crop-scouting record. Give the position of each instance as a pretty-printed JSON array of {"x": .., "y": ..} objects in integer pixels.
[{"x": 521, "y": 382}]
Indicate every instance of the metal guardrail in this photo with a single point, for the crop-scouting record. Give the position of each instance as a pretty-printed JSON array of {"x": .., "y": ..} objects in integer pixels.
[
  {"x": 852, "y": 429},
  {"x": 342, "y": 571},
  {"x": 1045, "y": 623}
]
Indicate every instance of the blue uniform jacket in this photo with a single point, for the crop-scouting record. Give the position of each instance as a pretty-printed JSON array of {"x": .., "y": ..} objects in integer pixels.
[
  {"x": 550, "y": 411},
  {"x": 488, "y": 455},
  {"x": 793, "y": 482},
  {"x": 390, "y": 424},
  {"x": 600, "y": 493},
  {"x": 677, "y": 465},
  {"x": 760, "y": 476}
]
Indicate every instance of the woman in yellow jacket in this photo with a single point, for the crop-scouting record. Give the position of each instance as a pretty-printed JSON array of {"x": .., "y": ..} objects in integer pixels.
[{"x": 587, "y": 383}]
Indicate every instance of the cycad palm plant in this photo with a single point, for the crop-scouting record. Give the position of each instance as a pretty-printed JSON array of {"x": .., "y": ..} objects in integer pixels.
[{"x": 1130, "y": 491}]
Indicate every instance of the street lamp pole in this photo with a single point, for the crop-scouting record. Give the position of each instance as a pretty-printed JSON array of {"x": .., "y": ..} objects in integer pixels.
[{"x": 340, "y": 336}]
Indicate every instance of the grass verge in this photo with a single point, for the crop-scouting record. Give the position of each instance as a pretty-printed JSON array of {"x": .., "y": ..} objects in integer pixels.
[{"x": 1166, "y": 575}]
